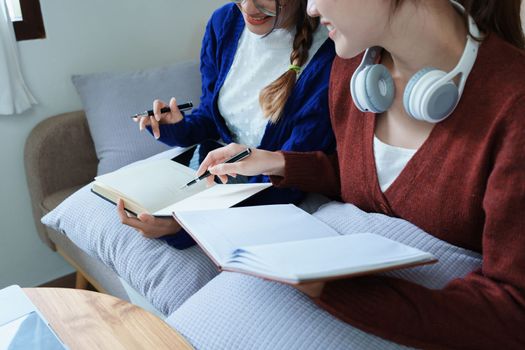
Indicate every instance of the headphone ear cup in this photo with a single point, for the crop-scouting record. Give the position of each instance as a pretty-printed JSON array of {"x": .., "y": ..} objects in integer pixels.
[
  {"x": 374, "y": 89},
  {"x": 434, "y": 107},
  {"x": 409, "y": 96}
]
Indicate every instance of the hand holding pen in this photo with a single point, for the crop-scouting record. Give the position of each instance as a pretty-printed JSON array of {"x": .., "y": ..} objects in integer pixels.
[
  {"x": 234, "y": 159},
  {"x": 259, "y": 162},
  {"x": 161, "y": 114}
]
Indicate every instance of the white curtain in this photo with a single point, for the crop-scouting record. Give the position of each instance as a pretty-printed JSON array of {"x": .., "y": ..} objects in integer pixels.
[
  {"x": 15, "y": 97},
  {"x": 523, "y": 15}
]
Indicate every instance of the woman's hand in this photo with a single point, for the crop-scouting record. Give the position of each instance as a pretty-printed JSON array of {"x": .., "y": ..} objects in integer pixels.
[
  {"x": 148, "y": 225},
  {"x": 313, "y": 290},
  {"x": 259, "y": 162},
  {"x": 172, "y": 117}
]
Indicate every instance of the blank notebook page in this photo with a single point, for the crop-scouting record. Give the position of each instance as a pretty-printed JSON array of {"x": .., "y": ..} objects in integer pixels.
[
  {"x": 216, "y": 197},
  {"x": 224, "y": 230},
  {"x": 154, "y": 184},
  {"x": 325, "y": 257}
]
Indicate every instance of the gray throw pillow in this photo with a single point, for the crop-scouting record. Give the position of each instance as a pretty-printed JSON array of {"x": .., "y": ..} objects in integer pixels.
[{"x": 109, "y": 99}]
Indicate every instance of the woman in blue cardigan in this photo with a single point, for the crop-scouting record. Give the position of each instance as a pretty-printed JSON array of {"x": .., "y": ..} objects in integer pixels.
[{"x": 265, "y": 66}]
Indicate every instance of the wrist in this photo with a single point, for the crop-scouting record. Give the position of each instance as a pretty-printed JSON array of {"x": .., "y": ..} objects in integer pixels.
[
  {"x": 175, "y": 119},
  {"x": 278, "y": 164}
]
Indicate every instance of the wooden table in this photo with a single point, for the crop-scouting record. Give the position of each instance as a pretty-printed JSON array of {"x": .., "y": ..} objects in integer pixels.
[{"x": 90, "y": 320}]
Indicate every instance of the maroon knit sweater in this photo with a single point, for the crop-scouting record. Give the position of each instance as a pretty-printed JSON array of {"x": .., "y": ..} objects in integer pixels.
[{"x": 465, "y": 185}]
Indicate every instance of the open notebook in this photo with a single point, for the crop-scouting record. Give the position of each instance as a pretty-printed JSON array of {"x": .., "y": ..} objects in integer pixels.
[
  {"x": 155, "y": 187},
  {"x": 286, "y": 244}
]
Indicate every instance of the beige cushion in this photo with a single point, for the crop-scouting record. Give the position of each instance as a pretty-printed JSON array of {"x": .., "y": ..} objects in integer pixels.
[{"x": 52, "y": 201}]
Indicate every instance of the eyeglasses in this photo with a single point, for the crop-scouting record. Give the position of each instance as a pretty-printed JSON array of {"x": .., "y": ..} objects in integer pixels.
[{"x": 268, "y": 7}]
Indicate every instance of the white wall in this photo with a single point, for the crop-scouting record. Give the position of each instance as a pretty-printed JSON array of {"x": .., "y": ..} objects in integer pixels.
[{"x": 82, "y": 37}]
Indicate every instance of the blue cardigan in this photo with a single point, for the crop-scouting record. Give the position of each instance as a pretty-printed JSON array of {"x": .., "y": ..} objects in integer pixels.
[{"x": 305, "y": 123}]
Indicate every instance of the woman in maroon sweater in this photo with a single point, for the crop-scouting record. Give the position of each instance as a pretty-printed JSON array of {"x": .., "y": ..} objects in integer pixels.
[{"x": 463, "y": 182}]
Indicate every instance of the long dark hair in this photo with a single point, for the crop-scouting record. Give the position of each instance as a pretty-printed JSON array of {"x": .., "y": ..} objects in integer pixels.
[
  {"x": 501, "y": 17},
  {"x": 273, "y": 97}
]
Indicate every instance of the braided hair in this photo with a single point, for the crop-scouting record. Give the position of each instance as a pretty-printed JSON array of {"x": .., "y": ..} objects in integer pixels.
[{"x": 273, "y": 97}]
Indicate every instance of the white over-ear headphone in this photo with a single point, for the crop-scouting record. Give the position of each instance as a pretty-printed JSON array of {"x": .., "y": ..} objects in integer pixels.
[{"x": 430, "y": 95}]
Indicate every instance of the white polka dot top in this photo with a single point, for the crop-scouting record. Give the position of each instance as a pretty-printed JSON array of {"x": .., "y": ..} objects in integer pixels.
[{"x": 258, "y": 62}]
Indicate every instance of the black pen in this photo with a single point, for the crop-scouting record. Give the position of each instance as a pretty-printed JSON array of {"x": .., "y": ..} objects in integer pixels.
[
  {"x": 236, "y": 158},
  {"x": 182, "y": 107}
]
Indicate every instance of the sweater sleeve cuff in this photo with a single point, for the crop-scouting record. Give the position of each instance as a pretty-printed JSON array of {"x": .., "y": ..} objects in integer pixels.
[
  {"x": 298, "y": 171},
  {"x": 173, "y": 134}
]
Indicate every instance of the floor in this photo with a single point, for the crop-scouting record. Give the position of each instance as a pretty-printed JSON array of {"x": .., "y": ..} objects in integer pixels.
[{"x": 67, "y": 281}]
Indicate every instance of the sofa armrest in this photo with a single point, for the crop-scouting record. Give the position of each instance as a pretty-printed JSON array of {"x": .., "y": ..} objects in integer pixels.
[{"x": 59, "y": 154}]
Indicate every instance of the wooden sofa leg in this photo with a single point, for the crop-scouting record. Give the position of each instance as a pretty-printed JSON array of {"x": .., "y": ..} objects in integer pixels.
[{"x": 81, "y": 282}]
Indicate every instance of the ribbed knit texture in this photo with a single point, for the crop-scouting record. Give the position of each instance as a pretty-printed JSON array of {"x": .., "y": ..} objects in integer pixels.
[{"x": 465, "y": 185}]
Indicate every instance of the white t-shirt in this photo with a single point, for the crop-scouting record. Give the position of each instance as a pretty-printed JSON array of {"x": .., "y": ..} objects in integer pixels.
[
  {"x": 390, "y": 162},
  {"x": 258, "y": 62}
]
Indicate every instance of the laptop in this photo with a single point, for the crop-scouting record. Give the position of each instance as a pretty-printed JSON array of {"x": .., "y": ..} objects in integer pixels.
[{"x": 22, "y": 326}]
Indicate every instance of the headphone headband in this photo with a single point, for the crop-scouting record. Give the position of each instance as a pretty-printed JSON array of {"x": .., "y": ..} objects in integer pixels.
[
  {"x": 468, "y": 58},
  {"x": 431, "y": 95}
]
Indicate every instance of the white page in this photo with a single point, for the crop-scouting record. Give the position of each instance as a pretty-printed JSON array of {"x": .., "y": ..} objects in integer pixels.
[
  {"x": 155, "y": 184},
  {"x": 13, "y": 304},
  {"x": 326, "y": 257},
  {"x": 22, "y": 326},
  {"x": 215, "y": 197},
  {"x": 221, "y": 231}
]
